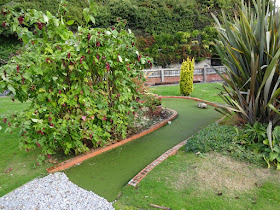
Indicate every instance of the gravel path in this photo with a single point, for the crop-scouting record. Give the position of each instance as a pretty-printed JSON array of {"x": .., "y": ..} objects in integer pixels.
[{"x": 54, "y": 191}]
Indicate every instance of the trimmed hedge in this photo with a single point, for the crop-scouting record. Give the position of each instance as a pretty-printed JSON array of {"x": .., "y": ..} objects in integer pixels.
[
  {"x": 186, "y": 78},
  {"x": 165, "y": 22}
]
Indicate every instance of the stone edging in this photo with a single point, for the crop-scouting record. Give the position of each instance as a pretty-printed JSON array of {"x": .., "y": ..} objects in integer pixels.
[
  {"x": 80, "y": 158},
  {"x": 136, "y": 180}
]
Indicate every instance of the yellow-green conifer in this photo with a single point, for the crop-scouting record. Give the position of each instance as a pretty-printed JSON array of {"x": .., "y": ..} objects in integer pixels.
[{"x": 186, "y": 77}]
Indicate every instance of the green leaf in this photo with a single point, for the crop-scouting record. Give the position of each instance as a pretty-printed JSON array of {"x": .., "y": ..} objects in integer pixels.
[
  {"x": 92, "y": 19},
  {"x": 11, "y": 88},
  {"x": 273, "y": 156},
  {"x": 25, "y": 38},
  {"x": 56, "y": 22},
  {"x": 0, "y": 127},
  {"x": 36, "y": 120},
  {"x": 86, "y": 14},
  {"x": 269, "y": 134},
  {"x": 267, "y": 161},
  {"x": 85, "y": 65},
  {"x": 278, "y": 166},
  {"x": 70, "y": 22},
  {"x": 46, "y": 18},
  {"x": 48, "y": 49}
]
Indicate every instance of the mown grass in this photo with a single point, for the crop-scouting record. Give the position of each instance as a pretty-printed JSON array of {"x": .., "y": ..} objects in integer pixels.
[
  {"x": 205, "y": 91},
  {"x": 16, "y": 166},
  {"x": 214, "y": 181}
]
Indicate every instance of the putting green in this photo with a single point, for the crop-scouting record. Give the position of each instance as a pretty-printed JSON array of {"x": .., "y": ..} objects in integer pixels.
[{"x": 107, "y": 173}]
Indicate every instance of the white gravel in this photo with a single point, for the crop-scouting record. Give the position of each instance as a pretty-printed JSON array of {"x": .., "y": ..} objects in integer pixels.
[{"x": 54, "y": 191}]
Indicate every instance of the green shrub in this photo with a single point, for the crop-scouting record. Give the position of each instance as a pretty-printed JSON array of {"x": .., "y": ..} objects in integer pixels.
[
  {"x": 249, "y": 143},
  {"x": 163, "y": 20},
  {"x": 81, "y": 87},
  {"x": 75, "y": 8},
  {"x": 247, "y": 46},
  {"x": 225, "y": 139},
  {"x": 167, "y": 49},
  {"x": 186, "y": 77}
]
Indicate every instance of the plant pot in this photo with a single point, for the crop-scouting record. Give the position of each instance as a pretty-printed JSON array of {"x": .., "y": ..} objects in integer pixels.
[{"x": 157, "y": 111}]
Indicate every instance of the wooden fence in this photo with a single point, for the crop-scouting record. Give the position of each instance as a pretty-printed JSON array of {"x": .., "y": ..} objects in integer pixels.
[{"x": 200, "y": 74}]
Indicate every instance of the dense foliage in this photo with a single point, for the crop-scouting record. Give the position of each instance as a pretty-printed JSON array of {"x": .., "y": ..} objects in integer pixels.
[
  {"x": 154, "y": 22},
  {"x": 166, "y": 49},
  {"x": 248, "y": 46},
  {"x": 225, "y": 139},
  {"x": 249, "y": 143},
  {"x": 81, "y": 86},
  {"x": 186, "y": 77}
]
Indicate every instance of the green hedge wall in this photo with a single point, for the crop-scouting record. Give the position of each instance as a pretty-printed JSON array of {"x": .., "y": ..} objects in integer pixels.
[{"x": 163, "y": 22}]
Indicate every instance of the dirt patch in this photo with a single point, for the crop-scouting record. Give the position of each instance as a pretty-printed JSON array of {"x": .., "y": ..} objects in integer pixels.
[
  {"x": 222, "y": 173},
  {"x": 146, "y": 120}
]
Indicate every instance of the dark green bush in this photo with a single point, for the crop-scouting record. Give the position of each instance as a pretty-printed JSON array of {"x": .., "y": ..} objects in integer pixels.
[
  {"x": 161, "y": 19},
  {"x": 224, "y": 139},
  {"x": 9, "y": 46},
  {"x": 167, "y": 49}
]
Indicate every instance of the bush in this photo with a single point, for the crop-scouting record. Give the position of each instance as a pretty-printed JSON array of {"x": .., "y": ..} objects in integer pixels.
[
  {"x": 163, "y": 20},
  {"x": 75, "y": 8},
  {"x": 186, "y": 77},
  {"x": 81, "y": 87},
  {"x": 252, "y": 57},
  {"x": 224, "y": 139},
  {"x": 167, "y": 49}
]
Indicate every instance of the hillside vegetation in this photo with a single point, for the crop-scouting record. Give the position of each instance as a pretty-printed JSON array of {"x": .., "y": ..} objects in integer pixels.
[{"x": 167, "y": 30}]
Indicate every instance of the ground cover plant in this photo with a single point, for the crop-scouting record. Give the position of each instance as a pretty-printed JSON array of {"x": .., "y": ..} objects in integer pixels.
[
  {"x": 81, "y": 87},
  {"x": 205, "y": 91},
  {"x": 226, "y": 139}
]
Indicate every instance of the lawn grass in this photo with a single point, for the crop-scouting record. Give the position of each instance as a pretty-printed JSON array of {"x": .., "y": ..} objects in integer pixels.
[
  {"x": 205, "y": 91},
  {"x": 20, "y": 164},
  {"x": 188, "y": 181}
]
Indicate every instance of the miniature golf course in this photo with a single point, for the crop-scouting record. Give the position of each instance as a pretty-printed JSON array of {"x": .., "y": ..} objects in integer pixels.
[{"x": 107, "y": 173}]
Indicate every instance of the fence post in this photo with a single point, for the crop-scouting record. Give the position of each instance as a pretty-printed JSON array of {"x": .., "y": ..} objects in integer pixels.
[
  {"x": 205, "y": 73},
  {"x": 162, "y": 75}
]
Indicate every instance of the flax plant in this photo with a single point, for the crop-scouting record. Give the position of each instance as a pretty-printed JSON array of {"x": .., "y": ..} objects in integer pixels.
[{"x": 249, "y": 45}]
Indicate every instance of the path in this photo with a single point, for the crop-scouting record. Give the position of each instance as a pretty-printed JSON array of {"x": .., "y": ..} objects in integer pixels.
[{"x": 106, "y": 174}]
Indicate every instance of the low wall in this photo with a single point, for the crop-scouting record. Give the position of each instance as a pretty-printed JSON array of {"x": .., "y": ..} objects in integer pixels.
[
  {"x": 176, "y": 79},
  {"x": 172, "y": 75}
]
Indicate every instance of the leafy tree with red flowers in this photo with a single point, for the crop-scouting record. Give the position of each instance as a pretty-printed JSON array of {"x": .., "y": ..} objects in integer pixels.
[{"x": 80, "y": 86}]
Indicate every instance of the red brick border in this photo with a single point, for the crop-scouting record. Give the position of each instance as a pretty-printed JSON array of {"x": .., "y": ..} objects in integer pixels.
[
  {"x": 80, "y": 158},
  {"x": 192, "y": 98},
  {"x": 136, "y": 180}
]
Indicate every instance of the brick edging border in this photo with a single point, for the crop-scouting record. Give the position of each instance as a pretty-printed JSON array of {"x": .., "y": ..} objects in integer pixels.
[
  {"x": 143, "y": 173},
  {"x": 80, "y": 158},
  {"x": 192, "y": 98}
]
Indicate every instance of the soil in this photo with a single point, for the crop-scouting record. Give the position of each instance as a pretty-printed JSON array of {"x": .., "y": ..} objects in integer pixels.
[{"x": 149, "y": 119}]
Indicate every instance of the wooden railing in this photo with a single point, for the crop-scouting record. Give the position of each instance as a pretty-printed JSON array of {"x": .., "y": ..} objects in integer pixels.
[{"x": 175, "y": 72}]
